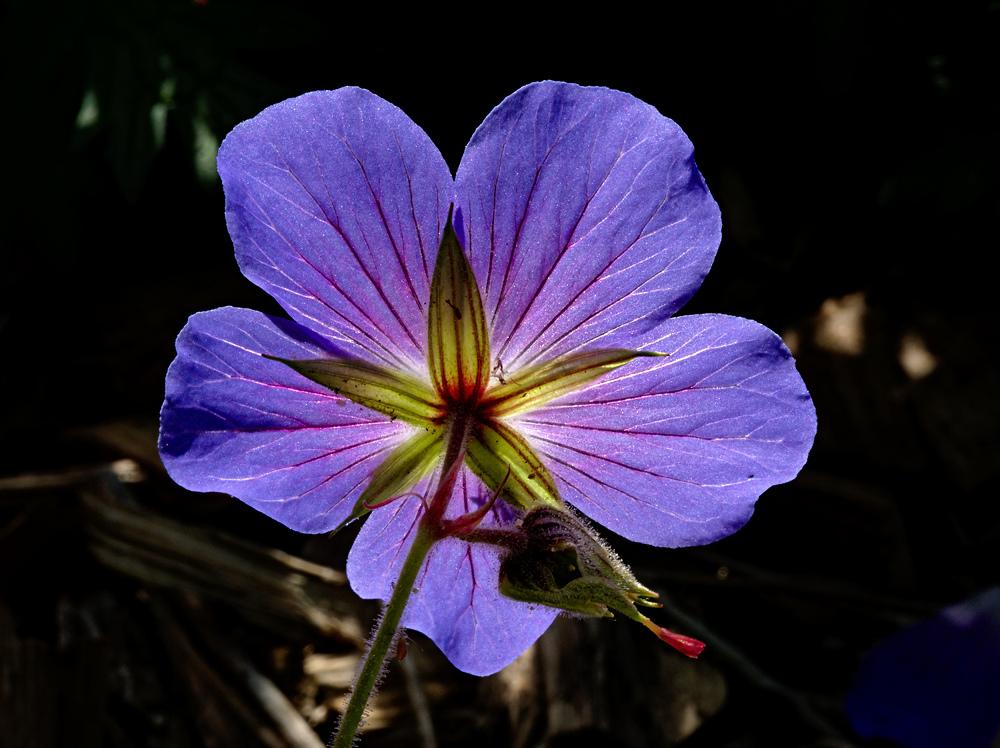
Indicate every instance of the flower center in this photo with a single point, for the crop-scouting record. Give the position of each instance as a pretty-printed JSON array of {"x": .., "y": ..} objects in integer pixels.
[{"x": 461, "y": 416}]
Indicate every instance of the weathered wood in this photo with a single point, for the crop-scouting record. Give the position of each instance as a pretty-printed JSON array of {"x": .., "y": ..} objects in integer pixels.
[
  {"x": 272, "y": 588},
  {"x": 271, "y": 703},
  {"x": 410, "y": 669},
  {"x": 135, "y": 440},
  {"x": 222, "y": 715},
  {"x": 48, "y": 694},
  {"x": 28, "y": 703},
  {"x": 125, "y": 471},
  {"x": 598, "y": 679}
]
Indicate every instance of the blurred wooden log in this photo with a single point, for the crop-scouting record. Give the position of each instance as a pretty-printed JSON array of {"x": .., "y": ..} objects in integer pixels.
[
  {"x": 519, "y": 691},
  {"x": 726, "y": 651},
  {"x": 387, "y": 709},
  {"x": 274, "y": 589},
  {"x": 131, "y": 439},
  {"x": 83, "y": 688},
  {"x": 424, "y": 710},
  {"x": 602, "y": 680},
  {"x": 418, "y": 701},
  {"x": 332, "y": 671},
  {"x": 608, "y": 678},
  {"x": 292, "y": 728},
  {"x": 288, "y": 722},
  {"x": 28, "y": 702},
  {"x": 115, "y": 679},
  {"x": 49, "y": 696},
  {"x": 224, "y": 718},
  {"x": 125, "y": 471}
]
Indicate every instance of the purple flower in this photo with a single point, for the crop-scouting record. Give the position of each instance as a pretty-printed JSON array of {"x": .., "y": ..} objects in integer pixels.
[
  {"x": 936, "y": 683},
  {"x": 587, "y": 226}
]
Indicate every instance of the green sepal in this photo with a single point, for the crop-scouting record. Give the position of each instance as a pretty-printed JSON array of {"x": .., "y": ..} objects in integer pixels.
[
  {"x": 458, "y": 345},
  {"x": 400, "y": 471},
  {"x": 539, "y": 384},
  {"x": 405, "y": 465},
  {"x": 394, "y": 393},
  {"x": 591, "y": 597},
  {"x": 496, "y": 452}
]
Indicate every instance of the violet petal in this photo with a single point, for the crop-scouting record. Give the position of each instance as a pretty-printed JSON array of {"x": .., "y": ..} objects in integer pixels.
[
  {"x": 587, "y": 221},
  {"x": 936, "y": 683},
  {"x": 456, "y": 600},
  {"x": 674, "y": 451},
  {"x": 238, "y": 423},
  {"x": 336, "y": 201}
]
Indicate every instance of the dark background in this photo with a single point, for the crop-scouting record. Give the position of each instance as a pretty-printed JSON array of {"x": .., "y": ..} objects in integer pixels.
[{"x": 854, "y": 150}]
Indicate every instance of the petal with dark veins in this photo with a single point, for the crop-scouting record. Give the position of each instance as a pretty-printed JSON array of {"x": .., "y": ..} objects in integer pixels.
[
  {"x": 674, "y": 451},
  {"x": 336, "y": 202},
  {"x": 456, "y": 600},
  {"x": 236, "y": 422},
  {"x": 586, "y": 221}
]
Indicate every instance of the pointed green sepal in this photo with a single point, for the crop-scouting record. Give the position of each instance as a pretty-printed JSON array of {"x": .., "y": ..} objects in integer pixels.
[
  {"x": 584, "y": 597},
  {"x": 405, "y": 465},
  {"x": 396, "y": 394},
  {"x": 502, "y": 459},
  {"x": 399, "y": 472},
  {"x": 458, "y": 346},
  {"x": 538, "y": 384}
]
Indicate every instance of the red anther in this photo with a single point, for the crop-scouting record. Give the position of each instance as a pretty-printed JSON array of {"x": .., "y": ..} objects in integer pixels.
[{"x": 686, "y": 645}]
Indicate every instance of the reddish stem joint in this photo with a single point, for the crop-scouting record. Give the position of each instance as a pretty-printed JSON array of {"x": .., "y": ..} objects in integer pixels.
[{"x": 466, "y": 523}]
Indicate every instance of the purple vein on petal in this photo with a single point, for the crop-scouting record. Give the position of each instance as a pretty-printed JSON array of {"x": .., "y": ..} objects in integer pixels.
[
  {"x": 721, "y": 442},
  {"x": 629, "y": 494},
  {"x": 617, "y": 463},
  {"x": 493, "y": 219},
  {"x": 590, "y": 284},
  {"x": 265, "y": 219},
  {"x": 565, "y": 248},
  {"x": 600, "y": 482},
  {"x": 666, "y": 363},
  {"x": 568, "y": 207},
  {"x": 326, "y": 218},
  {"x": 590, "y": 319},
  {"x": 307, "y": 461},
  {"x": 413, "y": 212},
  {"x": 381, "y": 212},
  {"x": 511, "y": 258},
  {"x": 337, "y": 474},
  {"x": 573, "y": 240}
]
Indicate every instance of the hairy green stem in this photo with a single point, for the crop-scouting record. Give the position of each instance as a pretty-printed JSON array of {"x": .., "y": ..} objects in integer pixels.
[
  {"x": 381, "y": 644},
  {"x": 428, "y": 532}
]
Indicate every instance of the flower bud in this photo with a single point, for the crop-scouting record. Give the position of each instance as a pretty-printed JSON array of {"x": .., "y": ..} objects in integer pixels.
[{"x": 561, "y": 562}]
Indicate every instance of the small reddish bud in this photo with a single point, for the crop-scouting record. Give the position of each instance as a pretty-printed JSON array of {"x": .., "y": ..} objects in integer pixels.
[
  {"x": 401, "y": 648},
  {"x": 686, "y": 645}
]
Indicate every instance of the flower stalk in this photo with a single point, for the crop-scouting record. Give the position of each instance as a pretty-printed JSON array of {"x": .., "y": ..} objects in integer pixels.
[
  {"x": 429, "y": 531},
  {"x": 381, "y": 644}
]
